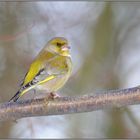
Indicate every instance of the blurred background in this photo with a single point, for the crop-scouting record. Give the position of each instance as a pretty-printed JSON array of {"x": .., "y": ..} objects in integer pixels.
[{"x": 105, "y": 47}]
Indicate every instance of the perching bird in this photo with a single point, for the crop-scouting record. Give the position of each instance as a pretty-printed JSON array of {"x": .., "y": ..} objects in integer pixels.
[{"x": 50, "y": 69}]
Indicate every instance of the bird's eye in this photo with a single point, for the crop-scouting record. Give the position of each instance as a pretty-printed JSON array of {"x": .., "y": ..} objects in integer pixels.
[{"x": 58, "y": 44}]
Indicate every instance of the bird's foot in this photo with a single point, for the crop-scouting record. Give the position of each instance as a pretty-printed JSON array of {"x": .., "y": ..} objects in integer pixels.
[{"x": 54, "y": 95}]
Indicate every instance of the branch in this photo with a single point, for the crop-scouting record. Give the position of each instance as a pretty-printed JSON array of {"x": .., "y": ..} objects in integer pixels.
[{"x": 68, "y": 105}]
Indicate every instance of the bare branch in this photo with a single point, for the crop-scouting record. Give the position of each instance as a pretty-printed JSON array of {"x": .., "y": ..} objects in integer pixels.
[{"x": 67, "y": 105}]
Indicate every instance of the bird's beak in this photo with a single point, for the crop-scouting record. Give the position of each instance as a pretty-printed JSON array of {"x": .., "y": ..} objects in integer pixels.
[{"x": 65, "y": 48}]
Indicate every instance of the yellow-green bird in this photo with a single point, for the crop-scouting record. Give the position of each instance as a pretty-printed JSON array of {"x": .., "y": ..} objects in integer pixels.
[{"x": 50, "y": 70}]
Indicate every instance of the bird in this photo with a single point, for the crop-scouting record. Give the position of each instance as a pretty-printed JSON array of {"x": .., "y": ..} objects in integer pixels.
[{"x": 49, "y": 71}]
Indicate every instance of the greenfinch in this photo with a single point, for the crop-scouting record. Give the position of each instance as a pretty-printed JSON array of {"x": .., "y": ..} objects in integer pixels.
[{"x": 49, "y": 71}]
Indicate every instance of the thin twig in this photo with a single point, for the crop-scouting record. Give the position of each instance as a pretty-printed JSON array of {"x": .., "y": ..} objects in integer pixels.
[{"x": 67, "y": 105}]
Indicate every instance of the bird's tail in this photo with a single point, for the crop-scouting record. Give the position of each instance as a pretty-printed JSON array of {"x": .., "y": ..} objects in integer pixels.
[
  {"x": 22, "y": 91},
  {"x": 15, "y": 97}
]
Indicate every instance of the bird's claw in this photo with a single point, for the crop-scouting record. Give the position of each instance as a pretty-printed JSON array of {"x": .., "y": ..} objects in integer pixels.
[{"x": 54, "y": 95}]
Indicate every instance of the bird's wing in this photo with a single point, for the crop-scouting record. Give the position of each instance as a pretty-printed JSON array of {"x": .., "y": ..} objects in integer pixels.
[
  {"x": 38, "y": 64},
  {"x": 41, "y": 77},
  {"x": 40, "y": 74},
  {"x": 34, "y": 70}
]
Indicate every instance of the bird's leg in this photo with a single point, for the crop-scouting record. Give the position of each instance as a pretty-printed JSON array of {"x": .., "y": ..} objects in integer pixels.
[{"x": 54, "y": 95}]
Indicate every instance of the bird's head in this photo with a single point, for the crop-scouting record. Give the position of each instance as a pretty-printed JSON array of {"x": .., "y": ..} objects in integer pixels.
[{"x": 59, "y": 45}]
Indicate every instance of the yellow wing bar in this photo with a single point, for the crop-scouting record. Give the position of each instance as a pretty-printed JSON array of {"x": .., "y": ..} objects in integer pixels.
[{"x": 39, "y": 83}]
